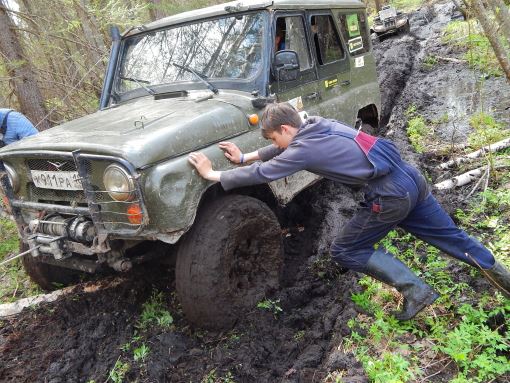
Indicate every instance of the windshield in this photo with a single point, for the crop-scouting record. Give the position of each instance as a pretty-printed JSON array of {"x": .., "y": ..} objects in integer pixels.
[{"x": 226, "y": 48}]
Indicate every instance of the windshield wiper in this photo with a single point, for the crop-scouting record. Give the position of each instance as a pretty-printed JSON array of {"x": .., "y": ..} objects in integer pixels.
[
  {"x": 140, "y": 82},
  {"x": 201, "y": 77}
]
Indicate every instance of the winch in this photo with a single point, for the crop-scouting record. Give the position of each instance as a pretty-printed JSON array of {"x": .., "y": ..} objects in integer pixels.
[{"x": 75, "y": 228}]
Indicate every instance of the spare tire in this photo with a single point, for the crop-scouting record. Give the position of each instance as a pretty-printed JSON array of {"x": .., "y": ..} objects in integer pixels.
[
  {"x": 228, "y": 261},
  {"x": 48, "y": 277}
]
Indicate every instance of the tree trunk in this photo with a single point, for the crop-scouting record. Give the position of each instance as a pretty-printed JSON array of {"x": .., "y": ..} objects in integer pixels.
[
  {"x": 377, "y": 5},
  {"x": 492, "y": 34},
  {"x": 20, "y": 70},
  {"x": 502, "y": 15},
  {"x": 155, "y": 10}
]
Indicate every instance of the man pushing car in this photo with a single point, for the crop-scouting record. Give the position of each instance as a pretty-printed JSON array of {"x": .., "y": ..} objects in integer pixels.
[{"x": 396, "y": 194}]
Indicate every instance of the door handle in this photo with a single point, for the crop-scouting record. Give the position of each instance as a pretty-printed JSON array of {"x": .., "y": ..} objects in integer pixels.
[
  {"x": 312, "y": 96},
  {"x": 345, "y": 83}
]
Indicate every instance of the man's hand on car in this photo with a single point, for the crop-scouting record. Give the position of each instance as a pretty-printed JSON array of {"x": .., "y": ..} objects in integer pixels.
[
  {"x": 204, "y": 166},
  {"x": 231, "y": 151}
]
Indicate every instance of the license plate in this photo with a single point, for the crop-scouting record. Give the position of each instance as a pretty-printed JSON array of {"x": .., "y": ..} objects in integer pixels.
[{"x": 56, "y": 180}]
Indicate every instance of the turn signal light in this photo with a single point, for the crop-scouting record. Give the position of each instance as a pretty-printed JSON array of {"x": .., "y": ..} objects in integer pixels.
[
  {"x": 253, "y": 119},
  {"x": 134, "y": 214}
]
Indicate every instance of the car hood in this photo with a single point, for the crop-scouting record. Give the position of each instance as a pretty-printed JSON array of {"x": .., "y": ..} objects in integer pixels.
[{"x": 146, "y": 130}]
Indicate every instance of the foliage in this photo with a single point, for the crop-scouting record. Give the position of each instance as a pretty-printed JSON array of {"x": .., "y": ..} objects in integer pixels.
[
  {"x": 475, "y": 347},
  {"x": 485, "y": 130},
  {"x": 469, "y": 35},
  {"x": 270, "y": 305},
  {"x": 406, "y": 5},
  {"x": 393, "y": 351},
  {"x": 417, "y": 129},
  {"x": 14, "y": 283},
  {"x": 141, "y": 353},
  {"x": 154, "y": 313},
  {"x": 429, "y": 62},
  {"x": 119, "y": 371}
]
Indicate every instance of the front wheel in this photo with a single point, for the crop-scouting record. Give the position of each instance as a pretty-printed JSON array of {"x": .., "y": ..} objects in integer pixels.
[
  {"x": 48, "y": 277},
  {"x": 229, "y": 261}
]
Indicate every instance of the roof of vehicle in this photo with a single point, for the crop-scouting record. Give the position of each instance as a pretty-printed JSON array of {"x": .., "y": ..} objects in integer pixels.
[{"x": 243, "y": 6}]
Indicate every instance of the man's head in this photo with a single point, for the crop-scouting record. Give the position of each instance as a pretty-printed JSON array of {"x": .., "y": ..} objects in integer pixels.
[{"x": 280, "y": 123}]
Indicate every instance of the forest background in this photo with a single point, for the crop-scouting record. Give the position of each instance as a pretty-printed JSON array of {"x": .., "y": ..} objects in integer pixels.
[{"x": 53, "y": 54}]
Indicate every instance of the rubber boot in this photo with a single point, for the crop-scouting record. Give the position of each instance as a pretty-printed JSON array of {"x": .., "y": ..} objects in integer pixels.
[
  {"x": 499, "y": 277},
  {"x": 388, "y": 269}
]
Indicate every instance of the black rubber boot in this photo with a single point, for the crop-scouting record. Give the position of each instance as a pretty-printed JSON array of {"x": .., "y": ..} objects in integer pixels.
[
  {"x": 388, "y": 269},
  {"x": 499, "y": 277}
]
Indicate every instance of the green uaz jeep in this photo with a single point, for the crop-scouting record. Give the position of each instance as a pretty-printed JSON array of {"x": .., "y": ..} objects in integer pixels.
[{"x": 114, "y": 189}]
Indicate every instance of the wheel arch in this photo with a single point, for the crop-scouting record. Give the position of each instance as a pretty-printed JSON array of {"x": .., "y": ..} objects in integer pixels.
[{"x": 370, "y": 115}]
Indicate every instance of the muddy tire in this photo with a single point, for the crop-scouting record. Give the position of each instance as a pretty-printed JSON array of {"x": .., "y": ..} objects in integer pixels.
[
  {"x": 229, "y": 261},
  {"x": 48, "y": 277}
]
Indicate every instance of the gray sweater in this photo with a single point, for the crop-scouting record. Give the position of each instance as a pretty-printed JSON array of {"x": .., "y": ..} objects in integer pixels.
[{"x": 314, "y": 148}]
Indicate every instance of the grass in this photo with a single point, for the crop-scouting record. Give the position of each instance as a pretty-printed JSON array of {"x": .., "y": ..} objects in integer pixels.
[
  {"x": 479, "y": 54},
  {"x": 460, "y": 331},
  {"x": 485, "y": 130},
  {"x": 155, "y": 313},
  {"x": 418, "y": 130},
  {"x": 14, "y": 282}
]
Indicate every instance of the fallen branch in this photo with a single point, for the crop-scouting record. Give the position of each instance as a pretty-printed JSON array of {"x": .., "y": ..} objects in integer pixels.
[
  {"x": 461, "y": 180},
  {"x": 465, "y": 178},
  {"x": 468, "y": 157},
  {"x": 451, "y": 59}
]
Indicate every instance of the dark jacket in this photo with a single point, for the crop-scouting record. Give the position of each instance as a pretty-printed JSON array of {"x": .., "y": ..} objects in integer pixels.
[{"x": 327, "y": 148}]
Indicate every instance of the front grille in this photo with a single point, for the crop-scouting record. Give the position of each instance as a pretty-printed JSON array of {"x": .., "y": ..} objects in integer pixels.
[
  {"x": 72, "y": 196},
  {"x": 390, "y": 23},
  {"x": 51, "y": 165}
]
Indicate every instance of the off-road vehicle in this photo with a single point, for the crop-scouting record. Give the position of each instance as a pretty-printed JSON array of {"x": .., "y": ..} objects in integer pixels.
[
  {"x": 114, "y": 188},
  {"x": 389, "y": 21}
]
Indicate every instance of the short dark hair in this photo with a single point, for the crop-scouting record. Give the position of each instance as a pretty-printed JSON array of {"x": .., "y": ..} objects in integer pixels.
[{"x": 278, "y": 114}]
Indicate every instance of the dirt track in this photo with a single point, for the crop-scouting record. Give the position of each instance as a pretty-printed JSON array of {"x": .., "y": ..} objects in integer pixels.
[{"x": 79, "y": 337}]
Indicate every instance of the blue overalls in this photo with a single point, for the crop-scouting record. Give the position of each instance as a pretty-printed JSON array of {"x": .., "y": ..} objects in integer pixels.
[{"x": 398, "y": 195}]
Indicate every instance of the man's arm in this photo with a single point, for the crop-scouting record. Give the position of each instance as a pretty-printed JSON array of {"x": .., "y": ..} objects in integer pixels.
[
  {"x": 234, "y": 154},
  {"x": 289, "y": 162}
]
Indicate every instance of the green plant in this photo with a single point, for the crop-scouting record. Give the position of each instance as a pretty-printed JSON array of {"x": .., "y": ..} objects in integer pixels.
[
  {"x": 475, "y": 347},
  {"x": 417, "y": 130},
  {"x": 141, "y": 353},
  {"x": 485, "y": 130},
  {"x": 299, "y": 336},
  {"x": 118, "y": 372},
  {"x": 429, "y": 62},
  {"x": 154, "y": 312},
  {"x": 270, "y": 305},
  {"x": 469, "y": 35},
  {"x": 390, "y": 368},
  {"x": 14, "y": 283}
]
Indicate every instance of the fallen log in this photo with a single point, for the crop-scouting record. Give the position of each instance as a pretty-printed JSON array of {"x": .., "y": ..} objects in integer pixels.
[
  {"x": 461, "y": 180},
  {"x": 11, "y": 309},
  {"x": 465, "y": 178},
  {"x": 468, "y": 157},
  {"x": 450, "y": 59}
]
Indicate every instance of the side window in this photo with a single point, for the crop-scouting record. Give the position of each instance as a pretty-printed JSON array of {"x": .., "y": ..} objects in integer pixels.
[
  {"x": 290, "y": 34},
  {"x": 326, "y": 41},
  {"x": 355, "y": 32}
]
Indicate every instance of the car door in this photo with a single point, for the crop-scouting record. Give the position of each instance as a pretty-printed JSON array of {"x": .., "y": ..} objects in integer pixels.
[
  {"x": 337, "y": 98},
  {"x": 290, "y": 33}
]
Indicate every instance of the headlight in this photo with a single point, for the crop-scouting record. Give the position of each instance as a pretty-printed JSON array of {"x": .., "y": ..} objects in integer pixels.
[
  {"x": 13, "y": 177},
  {"x": 118, "y": 183}
]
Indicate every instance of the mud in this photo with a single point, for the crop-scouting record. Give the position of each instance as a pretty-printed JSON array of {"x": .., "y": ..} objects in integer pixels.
[{"x": 80, "y": 337}]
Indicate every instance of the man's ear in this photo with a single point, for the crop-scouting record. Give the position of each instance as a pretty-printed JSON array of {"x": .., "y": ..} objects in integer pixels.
[{"x": 286, "y": 128}]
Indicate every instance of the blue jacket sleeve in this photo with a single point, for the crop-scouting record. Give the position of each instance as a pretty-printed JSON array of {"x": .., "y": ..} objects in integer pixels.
[
  {"x": 290, "y": 161},
  {"x": 268, "y": 152}
]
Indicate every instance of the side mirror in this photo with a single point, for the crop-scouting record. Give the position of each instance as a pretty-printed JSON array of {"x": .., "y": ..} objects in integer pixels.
[{"x": 286, "y": 65}]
